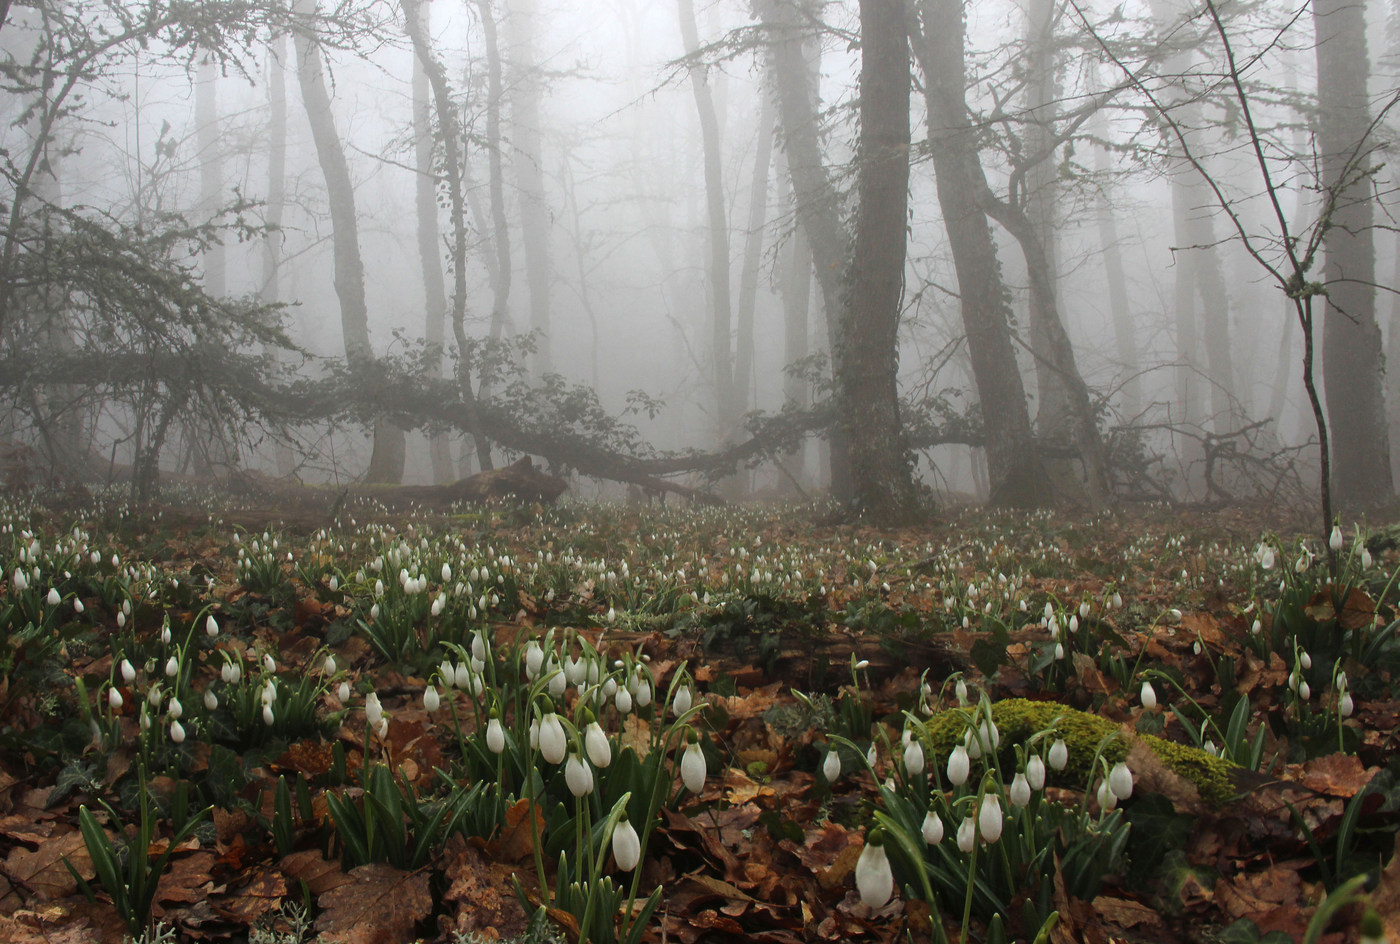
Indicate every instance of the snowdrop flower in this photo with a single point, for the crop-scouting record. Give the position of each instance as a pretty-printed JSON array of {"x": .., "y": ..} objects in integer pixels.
[
  {"x": 431, "y": 700},
  {"x": 1345, "y": 705},
  {"x": 53, "y": 599},
  {"x": 967, "y": 834},
  {"x": 462, "y": 676},
  {"x": 374, "y": 712},
  {"x": 1120, "y": 781},
  {"x": 1106, "y": 797},
  {"x": 121, "y": 624},
  {"x": 553, "y": 741},
  {"x": 914, "y": 758},
  {"x": 623, "y": 700},
  {"x": 1020, "y": 791},
  {"x": 1256, "y": 628},
  {"x": 211, "y": 701},
  {"x": 269, "y": 663},
  {"x": 343, "y": 692},
  {"x": 174, "y": 709},
  {"x": 959, "y": 766},
  {"x": 1365, "y": 562},
  {"x": 960, "y": 690},
  {"x": 578, "y": 775},
  {"x": 693, "y": 766},
  {"x": 177, "y": 732},
  {"x": 114, "y": 698},
  {"x": 1334, "y": 541},
  {"x": 268, "y": 717},
  {"x": 21, "y": 581},
  {"x": 682, "y": 701},
  {"x": 495, "y": 734},
  {"x": 446, "y": 573},
  {"x": 211, "y": 625},
  {"x": 1264, "y": 554},
  {"x": 626, "y": 845},
  {"x": 79, "y": 608},
  {"x": 1035, "y": 772},
  {"x": 874, "y": 878},
  {"x": 1059, "y": 754},
  {"x": 383, "y": 728},
  {"x": 128, "y": 671},
  {"x": 1304, "y": 691},
  {"x": 1149, "y": 696},
  {"x": 932, "y": 828},
  {"x": 1305, "y": 659},
  {"x": 989, "y": 819},
  {"x": 643, "y": 694},
  {"x": 595, "y": 744},
  {"x": 172, "y": 666},
  {"x": 831, "y": 766},
  {"x": 534, "y": 659}
]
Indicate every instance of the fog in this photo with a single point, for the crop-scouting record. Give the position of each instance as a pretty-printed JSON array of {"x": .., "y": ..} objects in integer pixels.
[{"x": 1190, "y": 352}]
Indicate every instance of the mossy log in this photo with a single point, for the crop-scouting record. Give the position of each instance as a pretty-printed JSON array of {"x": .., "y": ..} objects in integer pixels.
[{"x": 1017, "y": 719}]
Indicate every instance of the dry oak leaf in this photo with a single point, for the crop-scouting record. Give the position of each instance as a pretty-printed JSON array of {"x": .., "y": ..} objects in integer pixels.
[
  {"x": 516, "y": 841},
  {"x": 1125, "y": 913},
  {"x": 43, "y": 870},
  {"x": 18, "y": 931},
  {"x": 1338, "y": 775},
  {"x": 380, "y": 905},
  {"x": 262, "y": 893}
]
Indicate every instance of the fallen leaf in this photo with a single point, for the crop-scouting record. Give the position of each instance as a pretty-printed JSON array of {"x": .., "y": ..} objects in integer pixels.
[
  {"x": 516, "y": 840},
  {"x": 1339, "y": 775},
  {"x": 1126, "y": 913},
  {"x": 43, "y": 870},
  {"x": 379, "y": 905}
]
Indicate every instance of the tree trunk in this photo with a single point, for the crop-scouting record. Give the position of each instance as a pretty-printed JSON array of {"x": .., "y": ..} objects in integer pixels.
[
  {"x": 387, "y": 460},
  {"x": 788, "y": 27},
  {"x": 797, "y": 302},
  {"x": 1015, "y": 474},
  {"x": 1350, "y": 339},
  {"x": 271, "y": 290},
  {"x": 429, "y": 244},
  {"x": 500, "y": 230},
  {"x": 528, "y": 160},
  {"x": 753, "y": 251},
  {"x": 717, "y": 228},
  {"x": 867, "y": 385}
]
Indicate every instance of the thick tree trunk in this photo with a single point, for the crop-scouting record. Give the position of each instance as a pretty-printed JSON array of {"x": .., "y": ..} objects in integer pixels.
[
  {"x": 717, "y": 230},
  {"x": 387, "y": 460},
  {"x": 1016, "y": 475},
  {"x": 429, "y": 242},
  {"x": 867, "y": 386},
  {"x": 528, "y": 161},
  {"x": 788, "y": 24},
  {"x": 797, "y": 302},
  {"x": 1350, "y": 339},
  {"x": 753, "y": 251},
  {"x": 500, "y": 230},
  {"x": 271, "y": 290}
]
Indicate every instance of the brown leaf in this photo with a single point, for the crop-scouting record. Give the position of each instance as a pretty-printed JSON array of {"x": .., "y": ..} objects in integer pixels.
[
  {"x": 261, "y": 894},
  {"x": 320, "y": 875},
  {"x": 516, "y": 840},
  {"x": 380, "y": 905},
  {"x": 31, "y": 928},
  {"x": 481, "y": 893},
  {"x": 1126, "y": 913},
  {"x": 1204, "y": 626},
  {"x": 1339, "y": 775},
  {"x": 43, "y": 870}
]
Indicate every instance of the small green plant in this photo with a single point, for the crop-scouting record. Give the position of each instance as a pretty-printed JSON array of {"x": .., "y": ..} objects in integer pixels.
[
  {"x": 125, "y": 868},
  {"x": 392, "y": 823}
]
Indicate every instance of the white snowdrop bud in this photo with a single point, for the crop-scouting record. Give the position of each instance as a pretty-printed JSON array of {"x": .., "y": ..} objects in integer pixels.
[
  {"x": 626, "y": 845},
  {"x": 374, "y": 712},
  {"x": 172, "y": 666},
  {"x": 534, "y": 659},
  {"x": 693, "y": 767},
  {"x": 1304, "y": 691},
  {"x": 643, "y": 696},
  {"x": 914, "y": 758},
  {"x": 831, "y": 766},
  {"x": 128, "y": 671},
  {"x": 1345, "y": 705},
  {"x": 553, "y": 741},
  {"x": 268, "y": 716},
  {"x": 932, "y": 828},
  {"x": 495, "y": 736},
  {"x": 173, "y": 708},
  {"x": 1059, "y": 754},
  {"x": 595, "y": 743},
  {"x": 211, "y": 625},
  {"x": 1365, "y": 557},
  {"x": 1256, "y": 628},
  {"x": 1149, "y": 696},
  {"x": 343, "y": 692},
  {"x": 1084, "y": 610},
  {"x": 1020, "y": 791},
  {"x": 114, "y": 698},
  {"x": 1334, "y": 541},
  {"x": 211, "y": 701},
  {"x": 269, "y": 663},
  {"x": 1107, "y": 800},
  {"x": 1120, "y": 781},
  {"x": 967, "y": 834},
  {"x": 78, "y": 606},
  {"x": 578, "y": 776},
  {"x": 1305, "y": 659},
  {"x": 1035, "y": 772},
  {"x": 989, "y": 818},
  {"x": 874, "y": 878},
  {"x": 1117, "y": 600},
  {"x": 121, "y": 624},
  {"x": 431, "y": 700},
  {"x": 446, "y": 573},
  {"x": 1059, "y": 650},
  {"x": 177, "y": 732},
  {"x": 53, "y": 599},
  {"x": 623, "y": 700},
  {"x": 959, "y": 766},
  {"x": 682, "y": 701},
  {"x": 960, "y": 690}
]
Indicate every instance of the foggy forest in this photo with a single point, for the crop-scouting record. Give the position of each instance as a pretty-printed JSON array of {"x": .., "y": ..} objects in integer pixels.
[{"x": 1025, "y": 254}]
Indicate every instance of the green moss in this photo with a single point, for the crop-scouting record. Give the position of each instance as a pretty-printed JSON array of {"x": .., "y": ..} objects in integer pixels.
[{"x": 1018, "y": 718}]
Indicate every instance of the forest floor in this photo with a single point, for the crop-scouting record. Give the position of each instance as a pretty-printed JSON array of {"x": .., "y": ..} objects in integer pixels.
[{"x": 224, "y": 724}]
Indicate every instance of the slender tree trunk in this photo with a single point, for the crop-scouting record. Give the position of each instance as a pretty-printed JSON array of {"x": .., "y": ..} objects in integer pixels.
[
  {"x": 717, "y": 228},
  {"x": 211, "y": 170},
  {"x": 429, "y": 241},
  {"x": 387, "y": 460},
  {"x": 797, "y": 302},
  {"x": 453, "y": 162},
  {"x": 271, "y": 290},
  {"x": 753, "y": 251},
  {"x": 500, "y": 230},
  {"x": 528, "y": 160},
  {"x": 1016, "y": 476},
  {"x": 788, "y": 26},
  {"x": 867, "y": 386},
  {"x": 1350, "y": 339}
]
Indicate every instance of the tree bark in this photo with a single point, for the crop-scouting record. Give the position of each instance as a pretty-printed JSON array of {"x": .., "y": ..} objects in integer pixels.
[
  {"x": 387, "y": 460},
  {"x": 271, "y": 290},
  {"x": 429, "y": 242},
  {"x": 817, "y": 203},
  {"x": 717, "y": 228},
  {"x": 1350, "y": 339},
  {"x": 528, "y": 161},
  {"x": 797, "y": 302},
  {"x": 1016, "y": 476},
  {"x": 500, "y": 230},
  {"x": 882, "y": 476},
  {"x": 753, "y": 251}
]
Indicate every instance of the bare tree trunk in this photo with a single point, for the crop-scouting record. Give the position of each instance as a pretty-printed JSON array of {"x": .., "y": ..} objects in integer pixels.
[
  {"x": 797, "y": 302},
  {"x": 211, "y": 170},
  {"x": 387, "y": 460},
  {"x": 867, "y": 385},
  {"x": 271, "y": 290},
  {"x": 753, "y": 250},
  {"x": 721, "y": 315},
  {"x": 500, "y": 230},
  {"x": 528, "y": 160},
  {"x": 788, "y": 25},
  {"x": 1350, "y": 339},
  {"x": 1016, "y": 476},
  {"x": 430, "y": 246}
]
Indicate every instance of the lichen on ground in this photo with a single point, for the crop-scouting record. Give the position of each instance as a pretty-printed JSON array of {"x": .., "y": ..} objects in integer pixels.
[{"x": 1018, "y": 719}]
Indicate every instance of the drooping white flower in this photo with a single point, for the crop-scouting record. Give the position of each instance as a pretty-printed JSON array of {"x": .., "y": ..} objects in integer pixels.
[
  {"x": 932, "y": 828},
  {"x": 1345, "y": 705},
  {"x": 623, "y": 700},
  {"x": 268, "y": 716},
  {"x": 595, "y": 742},
  {"x": 831, "y": 766},
  {"x": 128, "y": 671},
  {"x": 1304, "y": 691},
  {"x": 578, "y": 775},
  {"x": 534, "y": 659},
  {"x": 343, "y": 692},
  {"x": 960, "y": 690},
  {"x": 211, "y": 625},
  {"x": 1334, "y": 540},
  {"x": 495, "y": 736},
  {"x": 374, "y": 711},
  {"x": 462, "y": 676},
  {"x": 53, "y": 599},
  {"x": 682, "y": 701},
  {"x": 177, "y": 732},
  {"x": 1019, "y": 793},
  {"x": 431, "y": 700},
  {"x": 1107, "y": 799},
  {"x": 1035, "y": 772},
  {"x": 989, "y": 818},
  {"x": 626, "y": 845},
  {"x": 967, "y": 834},
  {"x": 874, "y": 878},
  {"x": 172, "y": 666},
  {"x": 1059, "y": 754},
  {"x": 114, "y": 698},
  {"x": 1149, "y": 696},
  {"x": 914, "y": 758},
  {"x": 211, "y": 701},
  {"x": 174, "y": 709},
  {"x": 553, "y": 741},
  {"x": 959, "y": 766},
  {"x": 1120, "y": 781},
  {"x": 693, "y": 767}
]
